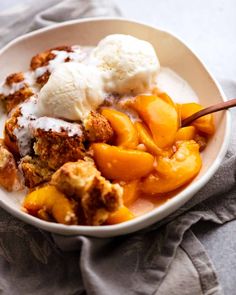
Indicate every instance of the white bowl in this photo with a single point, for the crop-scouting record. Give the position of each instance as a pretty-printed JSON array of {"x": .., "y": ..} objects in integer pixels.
[{"x": 172, "y": 53}]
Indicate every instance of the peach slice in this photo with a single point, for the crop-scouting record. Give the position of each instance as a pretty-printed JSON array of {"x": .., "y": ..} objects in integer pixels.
[
  {"x": 130, "y": 191},
  {"x": 165, "y": 97},
  {"x": 120, "y": 164},
  {"x": 54, "y": 202},
  {"x": 186, "y": 133},
  {"x": 204, "y": 124},
  {"x": 123, "y": 127},
  {"x": 160, "y": 117},
  {"x": 121, "y": 215},
  {"x": 146, "y": 138},
  {"x": 172, "y": 173}
]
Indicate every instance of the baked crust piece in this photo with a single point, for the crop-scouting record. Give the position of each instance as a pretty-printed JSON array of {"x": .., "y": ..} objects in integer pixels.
[
  {"x": 57, "y": 148},
  {"x": 9, "y": 176},
  {"x": 35, "y": 171},
  {"x": 22, "y": 91},
  {"x": 97, "y": 128},
  {"x": 42, "y": 59},
  {"x": 97, "y": 196}
]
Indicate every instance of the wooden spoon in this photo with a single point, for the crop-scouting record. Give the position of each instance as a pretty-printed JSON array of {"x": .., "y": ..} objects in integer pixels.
[{"x": 212, "y": 109}]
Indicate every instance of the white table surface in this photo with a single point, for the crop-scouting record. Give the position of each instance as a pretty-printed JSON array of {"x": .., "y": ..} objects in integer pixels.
[{"x": 209, "y": 28}]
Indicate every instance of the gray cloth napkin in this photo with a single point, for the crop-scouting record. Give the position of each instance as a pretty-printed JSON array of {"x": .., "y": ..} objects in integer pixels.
[
  {"x": 165, "y": 258},
  {"x": 37, "y": 14}
]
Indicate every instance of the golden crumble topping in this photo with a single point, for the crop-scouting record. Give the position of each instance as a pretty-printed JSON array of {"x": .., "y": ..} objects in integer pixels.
[{"x": 98, "y": 196}]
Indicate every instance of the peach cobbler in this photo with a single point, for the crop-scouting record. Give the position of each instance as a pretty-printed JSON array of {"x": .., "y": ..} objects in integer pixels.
[{"x": 92, "y": 136}]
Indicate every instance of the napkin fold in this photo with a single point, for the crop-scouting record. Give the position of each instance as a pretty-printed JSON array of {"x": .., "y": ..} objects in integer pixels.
[
  {"x": 165, "y": 258},
  {"x": 31, "y": 15}
]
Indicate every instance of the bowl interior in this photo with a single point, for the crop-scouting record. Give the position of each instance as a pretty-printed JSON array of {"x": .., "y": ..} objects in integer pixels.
[{"x": 171, "y": 52}]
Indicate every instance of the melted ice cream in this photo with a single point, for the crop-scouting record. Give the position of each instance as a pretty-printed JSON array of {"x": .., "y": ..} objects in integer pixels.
[
  {"x": 77, "y": 55},
  {"x": 22, "y": 133},
  {"x": 176, "y": 87},
  {"x": 57, "y": 125}
]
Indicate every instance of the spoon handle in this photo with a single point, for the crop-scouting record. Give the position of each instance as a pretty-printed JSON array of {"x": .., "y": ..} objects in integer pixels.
[{"x": 212, "y": 109}]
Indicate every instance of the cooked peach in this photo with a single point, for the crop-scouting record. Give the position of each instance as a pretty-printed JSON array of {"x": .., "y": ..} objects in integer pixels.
[
  {"x": 54, "y": 202},
  {"x": 186, "y": 133},
  {"x": 165, "y": 97},
  {"x": 42, "y": 214},
  {"x": 172, "y": 173},
  {"x": 146, "y": 138},
  {"x": 126, "y": 134},
  {"x": 121, "y": 164},
  {"x": 160, "y": 117},
  {"x": 121, "y": 215},
  {"x": 130, "y": 191},
  {"x": 204, "y": 124}
]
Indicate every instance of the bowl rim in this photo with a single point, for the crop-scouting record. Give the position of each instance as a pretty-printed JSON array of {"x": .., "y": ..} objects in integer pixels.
[{"x": 184, "y": 196}]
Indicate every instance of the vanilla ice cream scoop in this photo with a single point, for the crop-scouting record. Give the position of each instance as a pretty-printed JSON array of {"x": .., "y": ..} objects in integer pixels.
[
  {"x": 72, "y": 91},
  {"x": 129, "y": 65}
]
